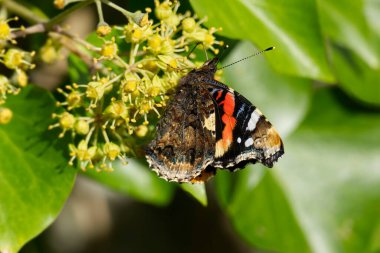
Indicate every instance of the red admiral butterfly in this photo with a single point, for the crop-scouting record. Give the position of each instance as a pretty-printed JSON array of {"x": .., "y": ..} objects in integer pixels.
[{"x": 208, "y": 125}]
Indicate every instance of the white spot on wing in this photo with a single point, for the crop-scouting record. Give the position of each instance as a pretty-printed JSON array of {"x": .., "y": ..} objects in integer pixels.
[
  {"x": 219, "y": 149},
  {"x": 255, "y": 116},
  {"x": 241, "y": 109},
  {"x": 209, "y": 123},
  {"x": 248, "y": 142},
  {"x": 239, "y": 140}
]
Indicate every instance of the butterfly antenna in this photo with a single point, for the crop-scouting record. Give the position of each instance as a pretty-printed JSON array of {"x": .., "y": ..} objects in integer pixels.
[
  {"x": 192, "y": 50},
  {"x": 222, "y": 53},
  {"x": 245, "y": 58}
]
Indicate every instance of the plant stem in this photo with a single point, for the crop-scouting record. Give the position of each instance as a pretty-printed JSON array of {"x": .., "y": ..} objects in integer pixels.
[
  {"x": 23, "y": 11},
  {"x": 45, "y": 26},
  {"x": 60, "y": 17},
  {"x": 118, "y": 8},
  {"x": 100, "y": 11}
]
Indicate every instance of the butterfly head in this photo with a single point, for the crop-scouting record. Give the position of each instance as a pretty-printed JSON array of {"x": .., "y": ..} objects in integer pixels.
[
  {"x": 208, "y": 68},
  {"x": 210, "y": 65}
]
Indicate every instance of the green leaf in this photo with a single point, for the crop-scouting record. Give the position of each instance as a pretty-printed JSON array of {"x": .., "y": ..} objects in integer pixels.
[
  {"x": 326, "y": 186},
  {"x": 198, "y": 191},
  {"x": 34, "y": 180},
  {"x": 350, "y": 28},
  {"x": 261, "y": 212},
  {"x": 372, "y": 12},
  {"x": 78, "y": 69},
  {"x": 291, "y": 26},
  {"x": 283, "y": 99},
  {"x": 34, "y": 9},
  {"x": 356, "y": 77},
  {"x": 135, "y": 180},
  {"x": 139, "y": 182}
]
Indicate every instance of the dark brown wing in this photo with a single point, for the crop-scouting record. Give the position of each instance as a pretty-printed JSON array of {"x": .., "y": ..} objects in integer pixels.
[{"x": 185, "y": 138}]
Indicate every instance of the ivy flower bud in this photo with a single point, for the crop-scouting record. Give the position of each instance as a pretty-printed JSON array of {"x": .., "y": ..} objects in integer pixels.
[
  {"x": 117, "y": 109},
  {"x": 74, "y": 99},
  {"x": 167, "y": 46},
  {"x": 48, "y": 52},
  {"x": 107, "y": 84},
  {"x": 132, "y": 33},
  {"x": 95, "y": 90},
  {"x": 150, "y": 65},
  {"x": 83, "y": 153},
  {"x": 82, "y": 127},
  {"x": 141, "y": 131},
  {"x": 172, "y": 21},
  {"x": 59, "y": 4},
  {"x": 111, "y": 150},
  {"x": 189, "y": 24},
  {"x": 13, "y": 58},
  {"x": 5, "y": 115},
  {"x": 135, "y": 34},
  {"x": 169, "y": 62},
  {"x": 154, "y": 43},
  {"x": 155, "y": 89},
  {"x": 67, "y": 121},
  {"x": 109, "y": 49},
  {"x": 4, "y": 83},
  {"x": 5, "y": 30},
  {"x": 162, "y": 10},
  {"x": 136, "y": 93},
  {"x": 209, "y": 40},
  {"x": 145, "y": 107},
  {"x": 103, "y": 29},
  {"x": 21, "y": 77},
  {"x": 130, "y": 84}
]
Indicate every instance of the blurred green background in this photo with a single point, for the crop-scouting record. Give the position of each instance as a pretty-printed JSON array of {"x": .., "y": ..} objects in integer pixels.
[{"x": 320, "y": 88}]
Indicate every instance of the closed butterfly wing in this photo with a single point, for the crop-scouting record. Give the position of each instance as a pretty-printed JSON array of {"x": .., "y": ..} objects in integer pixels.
[
  {"x": 207, "y": 126},
  {"x": 246, "y": 135},
  {"x": 184, "y": 142}
]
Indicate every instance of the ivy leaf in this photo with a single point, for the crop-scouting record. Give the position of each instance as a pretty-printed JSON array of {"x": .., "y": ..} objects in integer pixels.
[
  {"x": 34, "y": 180},
  {"x": 137, "y": 181},
  {"x": 356, "y": 77},
  {"x": 261, "y": 212},
  {"x": 350, "y": 28},
  {"x": 291, "y": 26},
  {"x": 78, "y": 70},
  {"x": 198, "y": 191},
  {"x": 323, "y": 193}
]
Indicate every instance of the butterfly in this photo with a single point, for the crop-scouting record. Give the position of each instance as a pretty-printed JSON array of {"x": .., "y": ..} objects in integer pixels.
[{"x": 208, "y": 126}]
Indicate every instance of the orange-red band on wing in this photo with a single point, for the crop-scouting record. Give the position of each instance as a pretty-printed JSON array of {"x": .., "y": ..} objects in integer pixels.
[
  {"x": 229, "y": 124},
  {"x": 219, "y": 95}
]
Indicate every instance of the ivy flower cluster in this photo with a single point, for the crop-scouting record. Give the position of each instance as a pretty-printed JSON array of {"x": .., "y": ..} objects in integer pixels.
[
  {"x": 16, "y": 61},
  {"x": 113, "y": 115}
]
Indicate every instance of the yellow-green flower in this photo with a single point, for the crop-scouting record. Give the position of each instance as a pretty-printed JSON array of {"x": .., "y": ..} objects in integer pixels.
[
  {"x": 5, "y": 115},
  {"x": 111, "y": 115}
]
